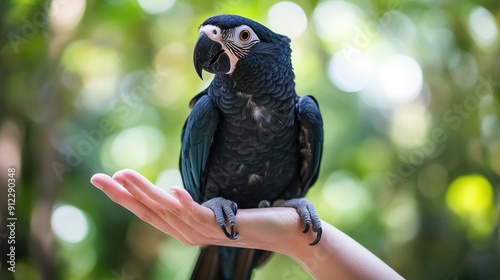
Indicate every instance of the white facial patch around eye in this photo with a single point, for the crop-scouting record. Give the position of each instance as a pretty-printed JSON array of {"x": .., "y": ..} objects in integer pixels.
[
  {"x": 236, "y": 42},
  {"x": 244, "y": 35}
]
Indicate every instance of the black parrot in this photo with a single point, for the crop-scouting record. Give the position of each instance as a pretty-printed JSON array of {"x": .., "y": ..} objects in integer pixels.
[{"x": 250, "y": 141}]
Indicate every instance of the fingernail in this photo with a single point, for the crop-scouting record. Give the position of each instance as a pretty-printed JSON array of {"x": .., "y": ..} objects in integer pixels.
[
  {"x": 174, "y": 193},
  {"x": 95, "y": 182}
]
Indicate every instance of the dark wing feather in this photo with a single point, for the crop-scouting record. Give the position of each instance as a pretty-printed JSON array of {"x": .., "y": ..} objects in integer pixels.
[
  {"x": 196, "y": 137},
  {"x": 310, "y": 139},
  {"x": 208, "y": 265},
  {"x": 197, "y": 97}
]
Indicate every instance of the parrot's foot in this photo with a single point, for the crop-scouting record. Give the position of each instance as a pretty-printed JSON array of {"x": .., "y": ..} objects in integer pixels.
[
  {"x": 224, "y": 209},
  {"x": 307, "y": 214}
]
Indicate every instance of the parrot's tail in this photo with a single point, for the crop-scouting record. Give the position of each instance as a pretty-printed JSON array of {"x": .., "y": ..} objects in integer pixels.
[{"x": 217, "y": 263}]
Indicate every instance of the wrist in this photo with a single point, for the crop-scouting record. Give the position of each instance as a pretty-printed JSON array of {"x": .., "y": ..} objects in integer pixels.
[{"x": 277, "y": 229}]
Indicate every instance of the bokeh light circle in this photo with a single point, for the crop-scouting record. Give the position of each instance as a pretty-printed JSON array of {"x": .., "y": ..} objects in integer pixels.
[
  {"x": 156, "y": 6},
  {"x": 401, "y": 78},
  {"x": 349, "y": 73},
  {"x": 69, "y": 224},
  {"x": 483, "y": 28},
  {"x": 469, "y": 194},
  {"x": 287, "y": 18},
  {"x": 334, "y": 21}
]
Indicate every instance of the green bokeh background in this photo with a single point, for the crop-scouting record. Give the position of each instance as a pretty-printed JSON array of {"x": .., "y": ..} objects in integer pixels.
[{"x": 97, "y": 86}]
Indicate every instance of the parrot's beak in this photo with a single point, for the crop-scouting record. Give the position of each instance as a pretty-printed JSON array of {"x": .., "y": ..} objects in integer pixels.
[{"x": 210, "y": 56}]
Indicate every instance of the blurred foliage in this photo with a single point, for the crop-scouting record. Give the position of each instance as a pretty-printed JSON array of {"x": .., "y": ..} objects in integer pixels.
[{"x": 409, "y": 92}]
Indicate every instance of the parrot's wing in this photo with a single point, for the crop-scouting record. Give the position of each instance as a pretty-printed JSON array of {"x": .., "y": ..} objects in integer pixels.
[
  {"x": 310, "y": 139},
  {"x": 196, "y": 138},
  {"x": 197, "y": 97}
]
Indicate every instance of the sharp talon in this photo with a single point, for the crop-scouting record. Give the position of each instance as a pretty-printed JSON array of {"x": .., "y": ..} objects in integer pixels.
[
  {"x": 307, "y": 228},
  {"x": 224, "y": 230},
  {"x": 264, "y": 204},
  {"x": 233, "y": 234},
  {"x": 318, "y": 237},
  {"x": 307, "y": 213},
  {"x": 234, "y": 207},
  {"x": 225, "y": 211}
]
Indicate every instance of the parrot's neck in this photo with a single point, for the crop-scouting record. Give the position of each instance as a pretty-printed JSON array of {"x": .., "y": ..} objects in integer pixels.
[
  {"x": 259, "y": 94},
  {"x": 265, "y": 108}
]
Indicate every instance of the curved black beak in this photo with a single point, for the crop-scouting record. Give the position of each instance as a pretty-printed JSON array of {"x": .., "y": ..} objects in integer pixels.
[{"x": 210, "y": 56}]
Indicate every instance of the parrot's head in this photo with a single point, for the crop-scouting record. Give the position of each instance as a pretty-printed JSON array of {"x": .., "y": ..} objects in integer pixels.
[{"x": 228, "y": 43}]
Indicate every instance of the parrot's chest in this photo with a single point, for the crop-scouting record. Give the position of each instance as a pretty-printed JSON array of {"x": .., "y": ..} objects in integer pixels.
[
  {"x": 248, "y": 166},
  {"x": 254, "y": 154},
  {"x": 254, "y": 112}
]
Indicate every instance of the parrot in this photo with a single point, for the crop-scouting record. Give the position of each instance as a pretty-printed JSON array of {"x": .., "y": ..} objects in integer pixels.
[{"x": 249, "y": 141}]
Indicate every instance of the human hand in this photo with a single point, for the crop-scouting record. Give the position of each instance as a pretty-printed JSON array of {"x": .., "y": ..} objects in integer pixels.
[{"x": 176, "y": 214}]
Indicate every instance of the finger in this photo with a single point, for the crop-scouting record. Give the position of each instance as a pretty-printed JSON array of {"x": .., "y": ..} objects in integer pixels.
[
  {"x": 201, "y": 217},
  {"x": 99, "y": 180},
  {"x": 137, "y": 178},
  {"x": 170, "y": 211},
  {"x": 118, "y": 194},
  {"x": 196, "y": 214},
  {"x": 146, "y": 191},
  {"x": 174, "y": 193},
  {"x": 182, "y": 195},
  {"x": 136, "y": 188},
  {"x": 110, "y": 187},
  {"x": 170, "y": 219},
  {"x": 195, "y": 210}
]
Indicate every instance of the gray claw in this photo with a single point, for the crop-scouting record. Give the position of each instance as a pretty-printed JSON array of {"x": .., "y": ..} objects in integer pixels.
[
  {"x": 307, "y": 228},
  {"x": 318, "y": 236},
  {"x": 307, "y": 214},
  {"x": 234, "y": 207},
  {"x": 232, "y": 235},
  {"x": 225, "y": 213},
  {"x": 264, "y": 204}
]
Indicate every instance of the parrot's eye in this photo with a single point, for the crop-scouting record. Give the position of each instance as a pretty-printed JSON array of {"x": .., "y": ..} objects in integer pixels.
[{"x": 244, "y": 35}]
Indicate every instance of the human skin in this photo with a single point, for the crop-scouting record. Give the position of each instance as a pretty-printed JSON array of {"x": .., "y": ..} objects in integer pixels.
[{"x": 277, "y": 229}]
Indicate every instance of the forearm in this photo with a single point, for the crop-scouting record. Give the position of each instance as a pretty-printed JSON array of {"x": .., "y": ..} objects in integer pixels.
[{"x": 336, "y": 256}]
